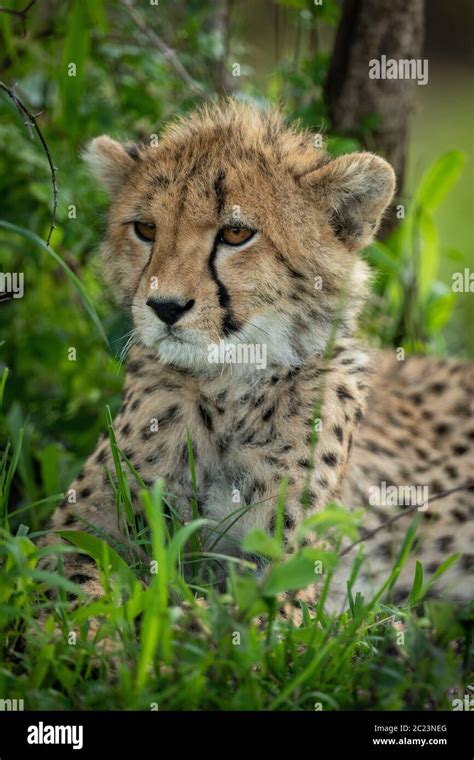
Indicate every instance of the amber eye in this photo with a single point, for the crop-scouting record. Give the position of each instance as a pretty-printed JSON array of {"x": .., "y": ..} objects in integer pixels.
[
  {"x": 145, "y": 231},
  {"x": 235, "y": 235}
]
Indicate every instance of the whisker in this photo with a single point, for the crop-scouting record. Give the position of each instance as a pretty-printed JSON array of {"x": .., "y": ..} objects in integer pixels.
[{"x": 132, "y": 340}]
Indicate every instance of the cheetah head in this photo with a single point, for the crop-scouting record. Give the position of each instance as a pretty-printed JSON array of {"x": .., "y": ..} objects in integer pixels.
[{"x": 237, "y": 228}]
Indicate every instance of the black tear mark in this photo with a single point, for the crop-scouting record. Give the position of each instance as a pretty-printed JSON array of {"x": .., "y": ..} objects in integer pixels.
[
  {"x": 229, "y": 323},
  {"x": 219, "y": 191}
]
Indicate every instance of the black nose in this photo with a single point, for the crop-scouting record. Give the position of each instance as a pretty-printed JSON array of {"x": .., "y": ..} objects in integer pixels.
[{"x": 169, "y": 311}]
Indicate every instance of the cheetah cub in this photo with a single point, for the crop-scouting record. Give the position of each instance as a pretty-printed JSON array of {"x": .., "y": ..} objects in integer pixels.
[{"x": 234, "y": 244}]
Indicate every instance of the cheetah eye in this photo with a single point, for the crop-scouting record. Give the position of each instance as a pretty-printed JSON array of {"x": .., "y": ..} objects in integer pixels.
[
  {"x": 145, "y": 231},
  {"x": 235, "y": 235}
]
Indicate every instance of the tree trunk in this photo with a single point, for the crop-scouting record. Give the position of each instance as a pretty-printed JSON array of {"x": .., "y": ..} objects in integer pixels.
[
  {"x": 368, "y": 30},
  {"x": 224, "y": 83}
]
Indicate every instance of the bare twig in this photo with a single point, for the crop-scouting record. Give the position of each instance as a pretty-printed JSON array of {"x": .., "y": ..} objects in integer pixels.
[
  {"x": 416, "y": 507},
  {"x": 32, "y": 126},
  {"x": 20, "y": 14},
  {"x": 168, "y": 53}
]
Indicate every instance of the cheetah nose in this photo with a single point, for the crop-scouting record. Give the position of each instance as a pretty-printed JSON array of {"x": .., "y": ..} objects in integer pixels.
[{"x": 169, "y": 311}]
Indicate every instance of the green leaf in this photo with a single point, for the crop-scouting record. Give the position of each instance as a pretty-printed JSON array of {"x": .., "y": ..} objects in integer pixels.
[
  {"x": 297, "y": 572},
  {"x": 415, "y": 594},
  {"x": 259, "y": 542},
  {"x": 122, "y": 492},
  {"x": 355, "y": 570},
  {"x": 55, "y": 580},
  {"x": 280, "y": 511},
  {"x": 333, "y": 516},
  {"x": 428, "y": 254},
  {"x": 7, "y": 474},
  {"x": 8, "y": 38},
  {"x": 195, "y": 538},
  {"x": 3, "y": 380},
  {"x": 76, "y": 48},
  {"x": 247, "y": 595},
  {"x": 439, "y": 572},
  {"x": 86, "y": 301},
  {"x": 96, "y": 11},
  {"x": 439, "y": 310},
  {"x": 181, "y": 537},
  {"x": 382, "y": 257},
  {"x": 439, "y": 179},
  {"x": 98, "y": 549},
  {"x": 50, "y": 463},
  {"x": 155, "y": 628},
  {"x": 402, "y": 556}
]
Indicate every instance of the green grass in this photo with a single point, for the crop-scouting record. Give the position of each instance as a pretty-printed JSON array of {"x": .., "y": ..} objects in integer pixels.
[{"x": 158, "y": 646}]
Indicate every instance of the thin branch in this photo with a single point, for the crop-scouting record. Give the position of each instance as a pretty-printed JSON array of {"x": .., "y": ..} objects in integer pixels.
[
  {"x": 385, "y": 525},
  {"x": 30, "y": 122},
  {"x": 168, "y": 53},
  {"x": 20, "y": 14}
]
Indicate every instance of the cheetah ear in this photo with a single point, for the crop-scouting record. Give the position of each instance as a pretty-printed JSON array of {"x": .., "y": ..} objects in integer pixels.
[
  {"x": 110, "y": 161},
  {"x": 355, "y": 190}
]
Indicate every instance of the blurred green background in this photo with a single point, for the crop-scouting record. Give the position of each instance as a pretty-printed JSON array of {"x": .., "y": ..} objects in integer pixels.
[{"x": 123, "y": 85}]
